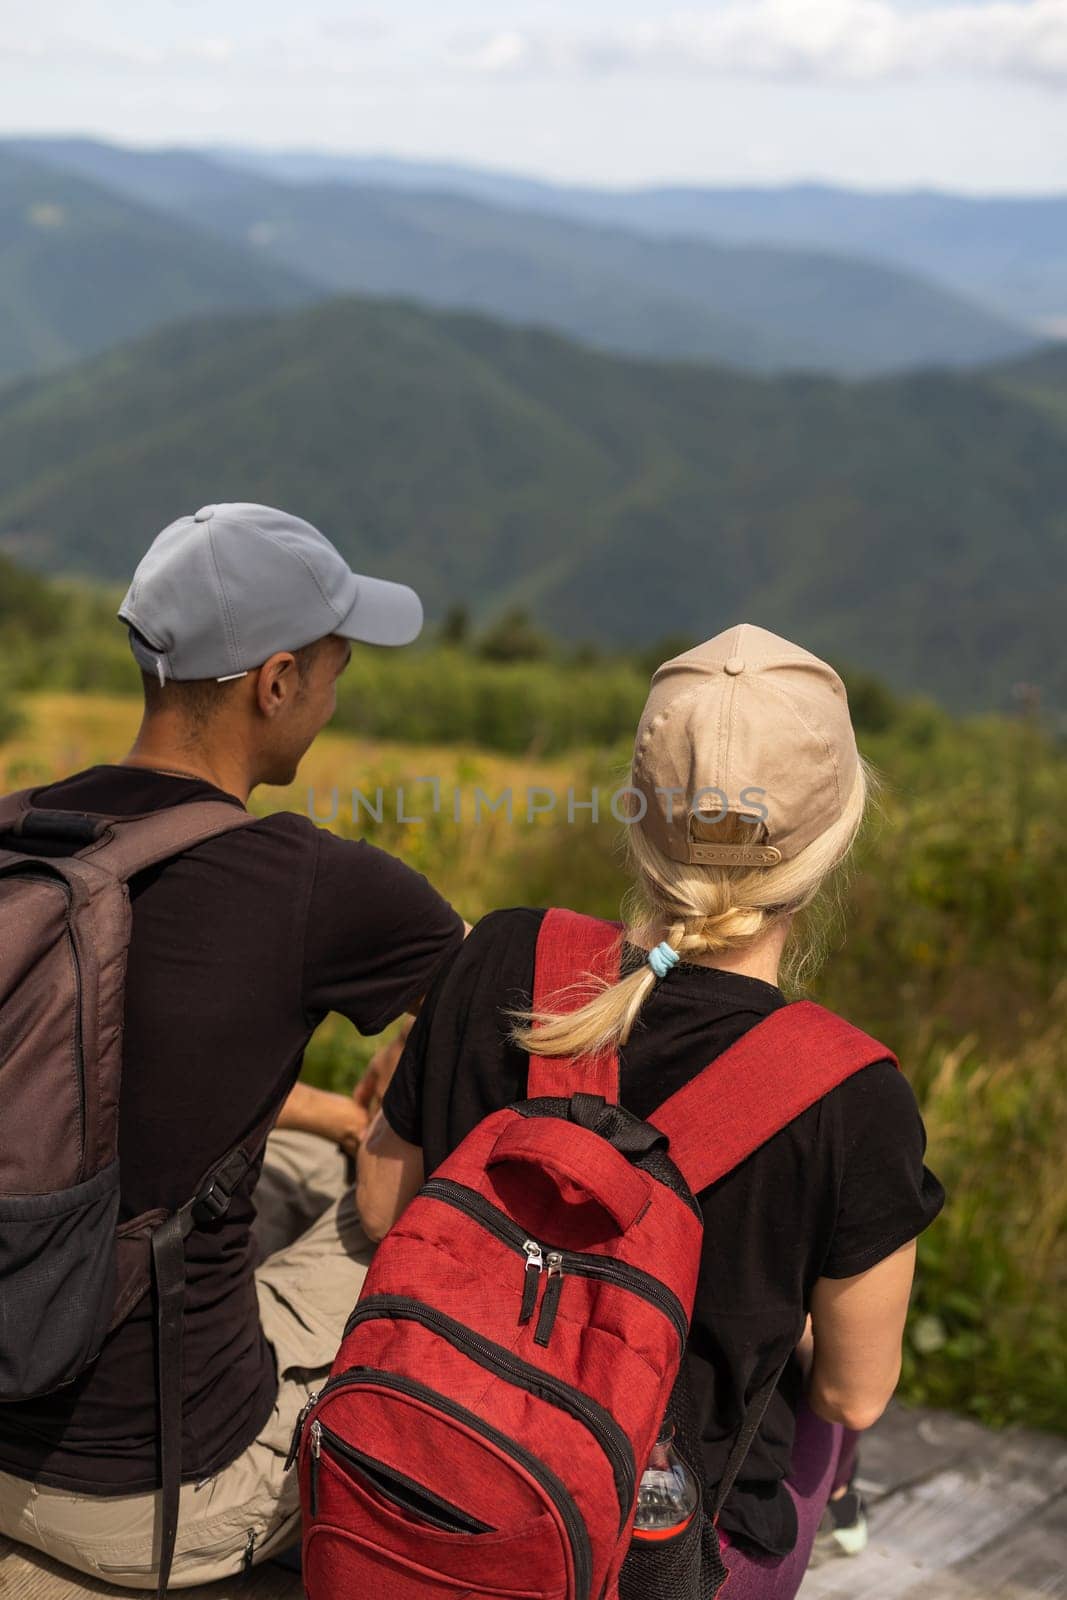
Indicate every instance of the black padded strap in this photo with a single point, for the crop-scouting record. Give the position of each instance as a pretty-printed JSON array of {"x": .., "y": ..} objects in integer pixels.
[
  {"x": 748, "y": 1430},
  {"x": 210, "y": 1203},
  {"x": 168, "y": 1272},
  {"x": 629, "y": 1135}
]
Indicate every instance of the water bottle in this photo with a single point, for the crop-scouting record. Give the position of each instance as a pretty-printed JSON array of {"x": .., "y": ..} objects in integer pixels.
[{"x": 668, "y": 1494}]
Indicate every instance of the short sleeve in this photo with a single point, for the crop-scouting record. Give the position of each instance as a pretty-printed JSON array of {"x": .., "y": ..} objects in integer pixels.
[
  {"x": 402, "y": 1103},
  {"x": 459, "y": 1065},
  {"x": 377, "y": 932},
  {"x": 887, "y": 1194}
]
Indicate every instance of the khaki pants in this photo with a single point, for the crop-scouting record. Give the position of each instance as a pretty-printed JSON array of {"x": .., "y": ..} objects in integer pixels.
[{"x": 307, "y": 1289}]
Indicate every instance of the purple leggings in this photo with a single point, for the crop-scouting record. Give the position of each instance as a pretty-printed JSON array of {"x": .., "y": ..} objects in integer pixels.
[{"x": 824, "y": 1455}]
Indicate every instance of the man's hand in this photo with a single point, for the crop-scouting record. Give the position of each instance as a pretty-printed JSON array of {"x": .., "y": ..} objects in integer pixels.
[
  {"x": 370, "y": 1090},
  {"x": 342, "y": 1118},
  {"x": 337, "y": 1117}
]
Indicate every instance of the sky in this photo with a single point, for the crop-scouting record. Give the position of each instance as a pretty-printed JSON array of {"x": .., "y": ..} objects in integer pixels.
[{"x": 957, "y": 94}]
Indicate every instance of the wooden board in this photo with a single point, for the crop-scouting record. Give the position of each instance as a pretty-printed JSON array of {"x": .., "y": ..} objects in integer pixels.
[{"x": 955, "y": 1514}]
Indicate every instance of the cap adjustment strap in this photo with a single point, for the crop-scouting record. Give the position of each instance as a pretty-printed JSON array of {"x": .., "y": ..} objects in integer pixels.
[{"x": 734, "y": 855}]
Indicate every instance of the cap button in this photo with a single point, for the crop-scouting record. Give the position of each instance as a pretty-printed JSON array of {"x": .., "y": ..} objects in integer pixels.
[
  {"x": 733, "y": 665},
  {"x": 204, "y": 514}
]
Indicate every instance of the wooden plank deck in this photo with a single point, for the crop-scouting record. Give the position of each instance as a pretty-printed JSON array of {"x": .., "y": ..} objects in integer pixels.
[{"x": 955, "y": 1512}]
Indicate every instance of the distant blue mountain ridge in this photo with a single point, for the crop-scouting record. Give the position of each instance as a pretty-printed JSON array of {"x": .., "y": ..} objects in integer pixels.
[
  {"x": 306, "y": 228},
  {"x": 1009, "y": 252}
]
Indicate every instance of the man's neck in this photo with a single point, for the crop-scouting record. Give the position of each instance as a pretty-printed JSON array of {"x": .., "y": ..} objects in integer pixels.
[{"x": 158, "y": 750}]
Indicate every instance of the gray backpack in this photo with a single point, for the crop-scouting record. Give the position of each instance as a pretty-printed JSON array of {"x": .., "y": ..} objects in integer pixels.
[{"x": 69, "y": 1271}]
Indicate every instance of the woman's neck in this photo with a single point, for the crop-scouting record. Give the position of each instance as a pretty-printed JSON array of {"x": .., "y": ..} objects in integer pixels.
[
  {"x": 761, "y": 959},
  {"x": 751, "y": 963}
]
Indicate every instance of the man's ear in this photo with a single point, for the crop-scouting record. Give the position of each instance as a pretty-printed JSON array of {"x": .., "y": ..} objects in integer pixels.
[{"x": 277, "y": 682}]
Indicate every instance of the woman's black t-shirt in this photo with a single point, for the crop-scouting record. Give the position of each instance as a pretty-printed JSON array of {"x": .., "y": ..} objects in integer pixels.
[{"x": 838, "y": 1189}]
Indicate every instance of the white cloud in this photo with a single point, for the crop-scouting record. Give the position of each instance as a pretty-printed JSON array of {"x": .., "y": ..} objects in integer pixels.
[
  {"x": 498, "y": 52},
  {"x": 71, "y": 49},
  {"x": 364, "y": 29},
  {"x": 821, "y": 40}
]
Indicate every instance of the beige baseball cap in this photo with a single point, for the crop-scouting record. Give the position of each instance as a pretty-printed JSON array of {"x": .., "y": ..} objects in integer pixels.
[{"x": 747, "y": 724}]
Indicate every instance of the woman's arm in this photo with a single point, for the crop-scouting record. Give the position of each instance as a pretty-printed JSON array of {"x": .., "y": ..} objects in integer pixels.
[
  {"x": 858, "y": 1327},
  {"x": 390, "y": 1173}
]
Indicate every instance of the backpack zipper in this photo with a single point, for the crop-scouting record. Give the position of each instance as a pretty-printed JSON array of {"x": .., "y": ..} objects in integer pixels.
[
  {"x": 550, "y": 1304},
  {"x": 605, "y": 1430},
  {"x": 435, "y": 1512},
  {"x": 315, "y": 1446},
  {"x": 573, "y": 1263},
  {"x": 535, "y": 1265},
  {"x": 577, "y": 1534},
  {"x": 78, "y": 1043},
  {"x": 298, "y": 1429}
]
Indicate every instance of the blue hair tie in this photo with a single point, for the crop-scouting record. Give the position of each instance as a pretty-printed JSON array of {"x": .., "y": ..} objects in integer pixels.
[{"x": 662, "y": 959}]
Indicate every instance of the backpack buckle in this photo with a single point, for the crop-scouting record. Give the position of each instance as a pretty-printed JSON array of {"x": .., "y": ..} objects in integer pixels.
[{"x": 213, "y": 1202}]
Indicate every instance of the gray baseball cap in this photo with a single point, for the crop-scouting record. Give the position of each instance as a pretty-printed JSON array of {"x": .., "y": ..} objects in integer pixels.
[{"x": 220, "y": 591}]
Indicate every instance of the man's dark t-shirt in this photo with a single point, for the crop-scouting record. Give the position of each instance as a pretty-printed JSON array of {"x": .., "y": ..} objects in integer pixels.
[
  {"x": 838, "y": 1189},
  {"x": 239, "y": 948}
]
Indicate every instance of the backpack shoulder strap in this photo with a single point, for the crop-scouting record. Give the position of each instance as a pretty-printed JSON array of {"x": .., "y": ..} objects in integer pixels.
[
  {"x": 167, "y": 1245},
  {"x": 746, "y": 1095},
  {"x": 123, "y": 846},
  {"x": 570, "y": 946},
  {"x": 128, "y": 845},
  {"x": 12, "y": 807},
  {"x": 766, "y": 1078}
]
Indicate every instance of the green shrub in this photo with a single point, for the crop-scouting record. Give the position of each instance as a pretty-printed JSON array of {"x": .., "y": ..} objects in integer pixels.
[{"x": 951, "y": 948}]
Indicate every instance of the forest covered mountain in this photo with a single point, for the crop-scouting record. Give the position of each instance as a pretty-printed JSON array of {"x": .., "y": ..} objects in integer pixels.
[
  {"x": 912, "y": 526},
  {"x": 758, "y": 308},
  {"x": 83, "y": 267},
  {"x": 1007, "y": 251}
]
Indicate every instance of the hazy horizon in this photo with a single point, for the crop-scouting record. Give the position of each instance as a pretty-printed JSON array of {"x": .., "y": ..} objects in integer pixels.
[
  {"x": 963, "y": 96},
  {"x": 268, "y": 147}
]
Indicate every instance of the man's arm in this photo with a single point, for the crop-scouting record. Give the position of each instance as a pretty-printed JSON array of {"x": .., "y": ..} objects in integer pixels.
[
  {"x": 370, "y": 1090},
  {"x": 342, "y": 1118},
  {"x": 337, "y": 1117}
]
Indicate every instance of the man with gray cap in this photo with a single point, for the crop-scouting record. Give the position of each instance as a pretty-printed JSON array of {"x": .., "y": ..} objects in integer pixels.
[{"x": 241, "y": 618}]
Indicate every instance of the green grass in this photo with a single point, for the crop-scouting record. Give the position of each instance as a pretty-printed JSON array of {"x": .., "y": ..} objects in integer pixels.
[
  {"x": 987, "y": 1333},
  {"x": 949, "y": 945}
]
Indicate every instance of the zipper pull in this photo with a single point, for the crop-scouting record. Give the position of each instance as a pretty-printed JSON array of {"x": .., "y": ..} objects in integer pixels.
[
  {"x": 249, "y": 1555},
  {"x": 294, "y": 1446},
  {"x": 550, "y": 1304},
  {"x": 316, "y": 1452},
  {"x": 535, "y": 1265}
]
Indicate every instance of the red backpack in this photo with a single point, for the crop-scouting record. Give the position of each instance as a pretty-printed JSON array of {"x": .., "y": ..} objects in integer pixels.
[{"x": 518, "y": 1339}]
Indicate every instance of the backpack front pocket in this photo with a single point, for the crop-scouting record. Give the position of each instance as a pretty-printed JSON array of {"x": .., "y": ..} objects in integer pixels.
[
  {"x": 469, "y": 1513},
  {"x": 57, "y": 1264},
  {"x": 401, "y": 1492},
  {"x": 377, "y": 1530}
]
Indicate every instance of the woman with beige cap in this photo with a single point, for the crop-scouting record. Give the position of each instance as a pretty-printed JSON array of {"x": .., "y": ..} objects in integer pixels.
[{"x": 747, "y": 792}]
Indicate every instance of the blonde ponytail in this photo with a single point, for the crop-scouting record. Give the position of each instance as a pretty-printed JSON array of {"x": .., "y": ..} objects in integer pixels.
[{"x": 707, "y": 910}]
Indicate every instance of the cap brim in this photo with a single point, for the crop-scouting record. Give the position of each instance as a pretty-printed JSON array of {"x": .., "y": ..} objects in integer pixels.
[{"x": 383, "y": 613}]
